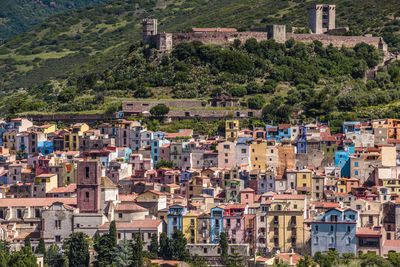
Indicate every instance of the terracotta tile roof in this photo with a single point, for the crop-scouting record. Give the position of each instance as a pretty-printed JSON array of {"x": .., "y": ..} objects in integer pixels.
[
  {"x": 35, "y": 202},
  {"x": 284, "y": 126},
  {"x": 235, "y": 206},
  {"x": 71, "y": 188},
  {"x": 391, "y": 243},
  {"x": 286, "y": 257},
  {"x": 46, "y": 175},
  {"x": 126, "y": 206},
  {"x": 247, "y": 190},
  {"x": 289, "y": 197},
  {"x": 136, "y": 224},
  {"x": 127, "y": 197},
  {"x": 156, "y": 192},
  {"x": 214, "y": 29},
  {"x": 328, "y": 138},
  {"x": 107, "y": 183},
  {"x": 303, "y": 188},
  {"x": 365, "y": 231}
]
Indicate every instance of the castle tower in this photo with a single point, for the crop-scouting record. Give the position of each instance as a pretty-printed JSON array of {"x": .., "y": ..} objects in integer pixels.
[
  {"x": 277, "y": 32},
  {"x": 321, "y": 18},
  {"x": 88, "y": 186},
  {"x": 149, "y": 29}
]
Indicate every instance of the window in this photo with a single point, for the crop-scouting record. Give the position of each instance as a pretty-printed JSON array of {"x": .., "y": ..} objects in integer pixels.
[
  {"x": 316, "y": 228},
  {"x": 233, "y": 232},
  {"x": 348, "y": 229},
  {"x": 316, "y": 240},
  {"x": 19, "y": 214},
  {"x": 331, "y": 228},
  {"x": 262, "y": 218},
  {"x": 228, "y": 222},
  {"x": 58, "y": 238},
  {"x": 87, "y": 172},
  {"x": 119, "y": 235},
  {"x": 205, "y": 250},
  {"x": 119, "y": 215},
  {"x": 192, "y": 222},
  {"x": 276, "y": 219},
  {"x": 356, "y": 173},
  {"x": 355, "y": 164},
  {"x": 348, "y": 241},
  {"x": 57, "y": 224},
  {"x": 87, "y": 196}
]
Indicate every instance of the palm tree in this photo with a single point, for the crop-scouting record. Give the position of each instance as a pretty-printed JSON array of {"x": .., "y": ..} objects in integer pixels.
[{"x": 122, "y": 254}]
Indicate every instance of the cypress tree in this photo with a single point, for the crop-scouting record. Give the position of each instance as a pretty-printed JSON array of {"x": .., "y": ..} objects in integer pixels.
[
  {"x": 178, "y": 247},
  {"x": 137, "y": 251},
  {"x": 113, "y": 234},
  {"x": 165, "y": 247},
  {"x": 28, "y": 243},
  {"x": 223, "y": 243},
  {"x": 41, "y": 248},
  {"x": 153, "y": 249}
]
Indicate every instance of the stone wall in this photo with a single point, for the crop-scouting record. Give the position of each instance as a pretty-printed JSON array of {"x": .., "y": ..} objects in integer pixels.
[
  {"x": 217, "y": 37},
  {"x": 338, "y": 41},
  {"x": 141, "y": 106}
]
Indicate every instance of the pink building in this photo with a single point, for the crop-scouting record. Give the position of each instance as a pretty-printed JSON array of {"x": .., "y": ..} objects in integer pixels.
[
  {"x": 233, "y": 223},
  {"x": 140, "y": 164},
  {"x": 226, "y": 155},
  {"x": 247, "y": 196},
  {"x": 164, "y": 152}
]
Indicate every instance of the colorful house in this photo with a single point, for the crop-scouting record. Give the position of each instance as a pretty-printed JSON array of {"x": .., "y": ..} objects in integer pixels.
[
  {"x": 189, "y": 227},
  {"x": 342, "y": 160},
  {"x": 217, "y": 215},
  {"x": 286, "y": 222},
  {"x": 231, "y": 130},
  {"x": 233, "y": 222},
  {"x": 304, "y": 180},
  {"x": 351, "y": 127},
  {"x": 334, "y": 230},
  {"x": 175, "y": 218}
]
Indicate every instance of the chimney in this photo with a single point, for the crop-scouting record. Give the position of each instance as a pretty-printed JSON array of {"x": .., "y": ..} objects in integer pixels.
[{"x": 291, "y": 258}]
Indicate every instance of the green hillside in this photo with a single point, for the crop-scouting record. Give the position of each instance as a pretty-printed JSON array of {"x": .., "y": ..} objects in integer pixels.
[
  {"x": 18, "y": 16},
  {"x": 64, "y": 62}
]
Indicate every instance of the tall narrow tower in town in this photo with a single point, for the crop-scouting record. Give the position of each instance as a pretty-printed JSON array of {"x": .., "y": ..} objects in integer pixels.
[{"x": 88, "y": 186}]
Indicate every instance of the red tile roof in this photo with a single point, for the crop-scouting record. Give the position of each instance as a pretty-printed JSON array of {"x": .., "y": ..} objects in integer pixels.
[
  {"x": 71, "y": 188},
  {"x": 35, "y": 202},
  {"x": 136, "y": 224},
  {"x": 126, "y": 206},
  {"x": 289, "y": 197},
  {"x": 367, "y": 232}
]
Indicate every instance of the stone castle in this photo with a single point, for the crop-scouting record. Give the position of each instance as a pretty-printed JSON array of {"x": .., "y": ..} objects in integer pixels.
[{"x": 321, "y": 23}]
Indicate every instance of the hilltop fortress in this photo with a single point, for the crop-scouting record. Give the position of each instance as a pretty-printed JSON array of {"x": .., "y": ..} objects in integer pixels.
[{"x": 321, "y": 23}]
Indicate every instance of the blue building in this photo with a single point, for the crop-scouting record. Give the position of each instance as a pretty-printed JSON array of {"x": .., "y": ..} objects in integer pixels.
[
  {"x": 175, "y": 218},
  {"x": 334, "y": 230},
  {"x": 277, "y": 133},
  {"x": 217, "y": 216},
  {"x": 185, "y": 176},
  {"x": 45, "y": 147},
  {"x": 155, "y": 149},
  {"x": 302, "y": 140},
  {"x": 342, "y": 160},
  {"x": 3, "y": 177},
  {"x": 348, "y": 146},
  {"x": 351, "y": 127},
  {"x": 271, "y": 132}
]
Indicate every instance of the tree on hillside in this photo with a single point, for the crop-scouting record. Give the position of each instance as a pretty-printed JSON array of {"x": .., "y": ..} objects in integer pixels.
[
  {"x": 256, "y": 102},
  {"x": 77, "y": 249},
  {"x": 122, "y": 255},
  {"x": 159, "y": 110},
  {"x": 164, "y": 164},
  {"x": 178, "y": 246},
  {"x": 165, "y": 246},
  {"x": 137, "y": 251},
  {"x": 153, "y": 249},
  {"x": 223, "y": 243}
]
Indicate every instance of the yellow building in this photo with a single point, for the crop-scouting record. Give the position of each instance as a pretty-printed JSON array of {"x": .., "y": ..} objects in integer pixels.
[
  {"x": 286, "y": 223},
  {"x": 304, "y": 180},
  {"x": 341, "y": 186},
  {"x": 71, "y": 138},
  {"x": 258, "y": 156},
  {"x": 46, "y": 128},
  {"x": 231, "y": 130},
  {"x": 151, "y": 196},
  {"x": 10, "y": 141},
  {"x": 189, "y": 227},
  {"x": 392, "y": 184},
  {"x": 47, "y": 180}
]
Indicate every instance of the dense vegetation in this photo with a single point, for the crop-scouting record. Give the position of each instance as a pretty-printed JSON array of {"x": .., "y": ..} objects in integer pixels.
[
  {"x": 90, "y": 59},
  {"x": 18, "y": 16},
  {"x": 97, "y": 35}
]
